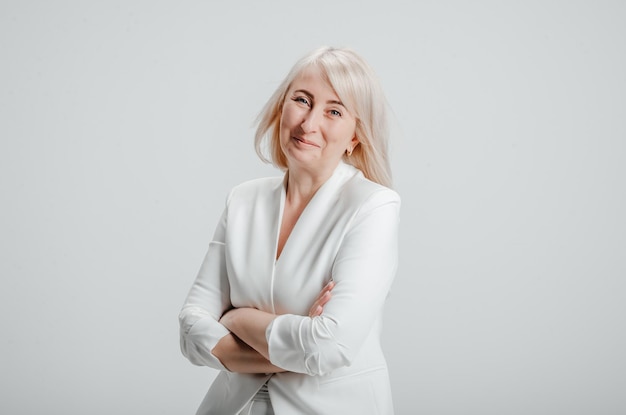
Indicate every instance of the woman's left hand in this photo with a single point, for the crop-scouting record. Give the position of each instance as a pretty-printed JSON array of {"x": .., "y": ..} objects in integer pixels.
[{"x": 324, "y": 296}]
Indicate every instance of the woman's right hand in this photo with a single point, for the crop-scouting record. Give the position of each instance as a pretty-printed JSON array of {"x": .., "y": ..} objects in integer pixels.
[{"x": 324, "y": 296}]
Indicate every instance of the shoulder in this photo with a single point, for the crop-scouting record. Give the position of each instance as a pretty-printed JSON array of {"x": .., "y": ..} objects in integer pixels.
[
  {"x": 254, "y": 189},
  {"x": 369, "y": 205},
  {"x": 360, "y": 192}
]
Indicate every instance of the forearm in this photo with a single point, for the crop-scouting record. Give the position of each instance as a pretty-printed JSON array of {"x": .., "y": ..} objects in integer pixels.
[
  {"x": 239, "y": 357},
  {"x": 249, "y": 325}
]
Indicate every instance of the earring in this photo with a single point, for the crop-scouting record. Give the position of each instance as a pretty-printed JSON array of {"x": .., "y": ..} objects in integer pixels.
[{"x": 349, "y": 152}]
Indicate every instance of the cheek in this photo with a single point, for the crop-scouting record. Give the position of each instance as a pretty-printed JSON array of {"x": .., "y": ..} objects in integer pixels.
[
  {"x": 344, "y": 134},
  {"x": 288, "y": 117},
  {"x": 284, "y": 126}
]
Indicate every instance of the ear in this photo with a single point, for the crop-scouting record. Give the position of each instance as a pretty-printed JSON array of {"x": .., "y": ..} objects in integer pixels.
[{"x": 354, "y": 141}]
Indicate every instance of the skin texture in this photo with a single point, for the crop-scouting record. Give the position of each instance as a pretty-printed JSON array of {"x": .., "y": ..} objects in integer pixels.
[
  {"x": 315, "y": 132},
  {"x": 315, "y": 129}
]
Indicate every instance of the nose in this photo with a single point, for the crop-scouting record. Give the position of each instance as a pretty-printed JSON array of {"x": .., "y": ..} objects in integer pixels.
[{"x": 310, "y": 121}]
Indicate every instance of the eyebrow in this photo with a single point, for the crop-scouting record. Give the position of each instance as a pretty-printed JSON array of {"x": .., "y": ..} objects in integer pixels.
[{"x": 332, "y": 101}]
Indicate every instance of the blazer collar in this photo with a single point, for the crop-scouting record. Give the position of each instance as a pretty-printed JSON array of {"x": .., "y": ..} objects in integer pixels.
[{"x": 342, "y": 173}]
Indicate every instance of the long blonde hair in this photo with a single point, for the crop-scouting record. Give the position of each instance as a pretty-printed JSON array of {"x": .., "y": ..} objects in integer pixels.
[{"x": 358, "y": 88}]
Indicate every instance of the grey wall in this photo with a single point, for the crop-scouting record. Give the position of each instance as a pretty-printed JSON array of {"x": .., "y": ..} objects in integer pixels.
[{"x": 124, "y": 123}]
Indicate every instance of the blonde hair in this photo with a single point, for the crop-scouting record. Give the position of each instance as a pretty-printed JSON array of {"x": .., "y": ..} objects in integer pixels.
[{"x": 357, "y": 87}]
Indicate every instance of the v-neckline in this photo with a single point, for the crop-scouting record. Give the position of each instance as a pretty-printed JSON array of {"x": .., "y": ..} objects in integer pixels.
[
  {"x": 281, "y": 217},
  {"x": 281, "y": 210}
]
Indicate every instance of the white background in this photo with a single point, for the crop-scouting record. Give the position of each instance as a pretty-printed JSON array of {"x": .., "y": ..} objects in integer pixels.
[{"x": 123, "y": 124}]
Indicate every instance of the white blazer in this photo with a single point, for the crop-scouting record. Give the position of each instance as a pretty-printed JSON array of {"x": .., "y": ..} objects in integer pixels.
[{"x": 348, "y": 232}]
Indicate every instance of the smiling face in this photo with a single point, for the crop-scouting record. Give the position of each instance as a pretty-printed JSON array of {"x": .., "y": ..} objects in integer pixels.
[{"x": 315, "y": 127}]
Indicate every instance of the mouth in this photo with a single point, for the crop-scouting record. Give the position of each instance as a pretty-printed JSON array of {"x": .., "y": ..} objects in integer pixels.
[{"x": 303, "y": 141}]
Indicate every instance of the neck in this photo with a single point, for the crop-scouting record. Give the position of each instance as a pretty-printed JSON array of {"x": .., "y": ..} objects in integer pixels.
[{"x": 302, "y": 185}]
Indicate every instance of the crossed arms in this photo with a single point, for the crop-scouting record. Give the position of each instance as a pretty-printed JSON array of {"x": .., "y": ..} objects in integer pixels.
[
  {"x": 245, "y": 349},
  {"x": 247, "y": 340}
]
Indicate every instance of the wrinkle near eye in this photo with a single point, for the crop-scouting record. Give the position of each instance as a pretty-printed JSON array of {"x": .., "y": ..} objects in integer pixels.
[
  {"x": 335, "y": 113},
  {"x": 302, "y": 100}
]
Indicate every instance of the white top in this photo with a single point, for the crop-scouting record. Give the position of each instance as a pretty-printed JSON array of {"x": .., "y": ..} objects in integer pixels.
[{"x": 348, "y": 232}]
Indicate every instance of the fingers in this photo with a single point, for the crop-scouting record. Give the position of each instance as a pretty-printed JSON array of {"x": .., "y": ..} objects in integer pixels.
[
  {"x": 324, "y": 297},
  {"x": 316, "y": 311},
  {"x": 327, "y": 288}
]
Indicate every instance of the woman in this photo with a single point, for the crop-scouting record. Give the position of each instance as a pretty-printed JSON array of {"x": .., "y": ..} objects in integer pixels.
[{"x": 288, "y": 302}]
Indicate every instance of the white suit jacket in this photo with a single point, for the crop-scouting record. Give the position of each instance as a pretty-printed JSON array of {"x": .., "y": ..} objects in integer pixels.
[{"x": 348, "y": 232}]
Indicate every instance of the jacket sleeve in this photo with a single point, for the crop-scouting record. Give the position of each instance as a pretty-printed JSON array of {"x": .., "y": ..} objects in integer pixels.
[
  {"x": 209, "y": 297},
  {"x": 363, "y": 272}
]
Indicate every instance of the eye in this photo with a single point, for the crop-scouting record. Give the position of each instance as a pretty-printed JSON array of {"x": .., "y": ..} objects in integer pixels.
[
  {"x": 334, "y": 113},
  {"x": 302, "y": 100}
]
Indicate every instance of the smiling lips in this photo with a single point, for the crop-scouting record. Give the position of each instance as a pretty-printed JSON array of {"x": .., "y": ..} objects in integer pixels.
[{"x": 303, "y": 141}]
